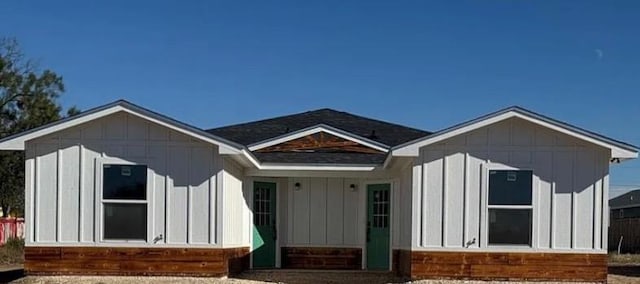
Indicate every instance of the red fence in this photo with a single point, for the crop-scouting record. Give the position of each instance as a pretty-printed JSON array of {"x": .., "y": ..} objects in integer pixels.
[{"x": 11, "y": 228}]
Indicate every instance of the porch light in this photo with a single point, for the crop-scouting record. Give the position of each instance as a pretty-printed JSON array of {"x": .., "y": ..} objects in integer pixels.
[
  {"x": 353, "y": 187},
  {"x": 296, "y": 186}
]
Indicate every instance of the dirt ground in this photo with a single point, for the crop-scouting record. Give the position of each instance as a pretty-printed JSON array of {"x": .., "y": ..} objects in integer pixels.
[{"x": 293, "y": 277}]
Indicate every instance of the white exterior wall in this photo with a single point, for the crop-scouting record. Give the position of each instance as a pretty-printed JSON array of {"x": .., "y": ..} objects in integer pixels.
[
  {"x": 402, "y": 205},
  {"x": 325, "y": 212},
  {"x": 185, "y": 185},
  {"x": 235, "y": 205},
  {"x": 569, "y": 189}
]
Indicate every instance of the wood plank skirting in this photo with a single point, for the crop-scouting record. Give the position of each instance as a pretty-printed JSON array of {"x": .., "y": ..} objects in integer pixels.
[
  {"x": 501, "y": 266},
  {"x": 321, "y": 258},
  {"x": 214, "y": 262},
  {"x": 401, "y": 261}
]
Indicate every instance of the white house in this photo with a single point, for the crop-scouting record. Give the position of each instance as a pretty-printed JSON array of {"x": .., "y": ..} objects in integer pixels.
[{"x": 123, "y": 190}]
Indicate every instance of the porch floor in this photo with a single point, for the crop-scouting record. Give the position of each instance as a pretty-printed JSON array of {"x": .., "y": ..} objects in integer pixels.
[{"x": 295, "y": 276}]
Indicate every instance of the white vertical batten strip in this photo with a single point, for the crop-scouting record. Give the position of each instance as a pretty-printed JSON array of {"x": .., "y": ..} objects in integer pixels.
[
  {"x": 308, "y": 201},
  {"x": 596, "y": 202},
  {"x": 465, "y": 198},
  {"x": 483, "y": 229},
  {"x": 342, "y": 194},
  {"x": 81, "y": 189},
  {"x": 445, "y": 179},
  {"x": 189, "y": 196},
  {"x": 481, "y": 198},
  {"x": 605, "y": 209},
  {"x": 151, "y": 199},
  {"x": 58, "y": 194},
  {"x": 212, "y": 199},
  {"x": 416, "y": 204},
  {"x": 220, "y": 204},
  {"x": 151, "y": 212},
  {"x": 36, "y": 198},
  {"x": 291, "y": 217},
  {"x": 536, "y": 213},
  {"x": 30, "y": 193},
  {"x": 535, "y": 198},
  {"x": 552, "y": 231},
  {"x": 97, "y": 196},
  {"x": 423, "y": 191},
  {"x": 326, "y": 211},
  {"x": 167, "y": 195},
  {"x": 573, "y": 199}
]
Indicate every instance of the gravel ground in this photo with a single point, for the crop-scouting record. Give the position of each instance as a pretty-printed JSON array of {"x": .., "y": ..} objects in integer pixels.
[{"x": 271, "y": 276}]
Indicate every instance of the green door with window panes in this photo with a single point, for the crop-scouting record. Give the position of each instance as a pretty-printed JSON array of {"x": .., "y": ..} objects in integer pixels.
[
  {"x": 378, "y": 209},
  {"x": 264, "y": 225}
]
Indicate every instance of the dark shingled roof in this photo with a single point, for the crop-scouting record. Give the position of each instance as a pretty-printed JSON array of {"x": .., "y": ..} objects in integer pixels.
[
  {"x": 630, "y": 198},
  {"x": 384, "y": 132}
]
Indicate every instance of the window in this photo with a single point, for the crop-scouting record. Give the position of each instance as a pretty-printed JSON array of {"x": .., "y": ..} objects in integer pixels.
[
  {"x": 124, "y": 202},
  {"x": 380, "y": 209},
  {"x": 510, "y": 207}
]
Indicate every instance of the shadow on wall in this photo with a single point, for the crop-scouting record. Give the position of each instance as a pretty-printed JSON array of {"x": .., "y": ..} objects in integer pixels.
[
  {"x": 567, "y": 179},
  {"x": 190, "y": 169}
]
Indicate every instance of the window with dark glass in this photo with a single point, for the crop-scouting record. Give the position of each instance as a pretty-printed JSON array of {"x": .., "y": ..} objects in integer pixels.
[
  {"x": 124, "y": 199},
  {"x": 510, "y": 207}
]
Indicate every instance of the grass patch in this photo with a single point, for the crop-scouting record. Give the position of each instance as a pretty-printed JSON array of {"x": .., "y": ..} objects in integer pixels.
[
  {"x": 625, "y": 258},
  {"x": 12, "y": 252}
]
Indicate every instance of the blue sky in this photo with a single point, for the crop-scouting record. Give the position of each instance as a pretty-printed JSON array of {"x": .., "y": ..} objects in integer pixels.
[{"x": 425, "y": 64}]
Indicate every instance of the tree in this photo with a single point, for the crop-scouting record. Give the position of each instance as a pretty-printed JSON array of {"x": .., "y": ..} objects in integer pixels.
[{"x": 27, "y": 100}]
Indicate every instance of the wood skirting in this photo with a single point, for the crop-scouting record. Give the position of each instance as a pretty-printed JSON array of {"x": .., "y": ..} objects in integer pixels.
[
  {"x": 401, "y": 261},
  {"x": 501, "y": 266},
  {"x": 214, "y": 262},
  {"x": 321, "y": 258}
]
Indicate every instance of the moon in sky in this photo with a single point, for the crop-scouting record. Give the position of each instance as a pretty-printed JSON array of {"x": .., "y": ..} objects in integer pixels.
[{"x": 599, "y": 53}]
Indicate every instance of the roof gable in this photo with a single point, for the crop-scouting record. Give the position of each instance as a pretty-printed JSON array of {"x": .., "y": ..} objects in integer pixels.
[
  {"x": 382, "y": 132},
  {"x": 618, "y": 149},
  {"x": 320, "y": 144},
  {"x": 317, "y": 137},
  {"x": 17, "y": 141}
]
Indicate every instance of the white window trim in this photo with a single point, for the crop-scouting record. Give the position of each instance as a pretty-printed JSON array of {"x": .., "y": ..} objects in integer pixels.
[
  {"x": 99, "y": 203},
  {"x": 488, "y": 167}
]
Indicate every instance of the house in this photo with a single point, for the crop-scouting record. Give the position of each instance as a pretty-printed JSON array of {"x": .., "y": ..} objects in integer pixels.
[
  {"x": 624, "y": 227},
  {"x": 626, "y": 205},
  {"x": 122, "y": 190}
]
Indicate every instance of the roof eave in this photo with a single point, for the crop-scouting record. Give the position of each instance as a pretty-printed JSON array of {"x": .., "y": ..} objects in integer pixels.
[
  {"x": 619, "y": 150},
  {"x": 17, "y": 141}
]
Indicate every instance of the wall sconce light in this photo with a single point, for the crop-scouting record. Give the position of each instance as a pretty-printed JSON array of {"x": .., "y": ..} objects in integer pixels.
[
  {"x": 353, "y": 187},
  {"x": 296, "y": 186}
]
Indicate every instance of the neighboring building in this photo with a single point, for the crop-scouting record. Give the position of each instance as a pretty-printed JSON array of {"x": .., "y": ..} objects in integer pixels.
[
  {"x": 626, "y": 205},
  {"x": 123, "y": 190},
  {"x": 624, "y": 226}
]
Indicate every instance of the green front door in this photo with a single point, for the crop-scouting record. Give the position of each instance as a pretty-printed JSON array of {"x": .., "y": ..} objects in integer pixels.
[
  {"x": 264, "y": 225},
  {"x": 378, "y": 226}
]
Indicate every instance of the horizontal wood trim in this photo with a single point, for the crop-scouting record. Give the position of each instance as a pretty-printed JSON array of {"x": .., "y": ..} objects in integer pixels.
[
  {"x": 505, "y": 266},
  {"x": 135, "y": 261},
  {"x": 321, "y": 258}
]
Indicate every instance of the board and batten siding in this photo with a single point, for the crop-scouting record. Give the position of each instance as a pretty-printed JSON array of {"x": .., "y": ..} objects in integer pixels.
[
  {"x": 570, "y": 186},
  {"x": 325, "y": 212},
  {"x": 184, "y": 195}
]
